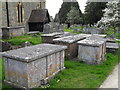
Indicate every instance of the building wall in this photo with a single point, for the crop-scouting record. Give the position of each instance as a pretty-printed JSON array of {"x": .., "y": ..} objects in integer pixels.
[{"x": 13, "y": 17}]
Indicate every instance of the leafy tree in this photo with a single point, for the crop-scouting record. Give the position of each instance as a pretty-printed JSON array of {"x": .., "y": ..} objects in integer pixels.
[
  {"x": 65, "y": 9},
  {"x": 74, "y": 16},
  {"x": 93, "y": 12},
  {"x": 111, "y": 16}
]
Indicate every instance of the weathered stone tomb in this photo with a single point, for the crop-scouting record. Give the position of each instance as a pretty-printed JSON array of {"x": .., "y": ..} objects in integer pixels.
[
  {"x": 9, "y": 32},
  {"x": 32, "y": 66},
  {"x": 92, "y": 50},
  {"x": 48, "y": 38},
  {"x": 71, "y": 42}
]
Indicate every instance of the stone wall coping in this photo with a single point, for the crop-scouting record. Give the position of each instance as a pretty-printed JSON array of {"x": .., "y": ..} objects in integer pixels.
[
  {"x": 13, "y": 27},
  {"x": 31, "y": 53},
  {"x": 87, "y": 42},
  {"x": 71, "y": 39},
  {"x": 51, "y": 34}
]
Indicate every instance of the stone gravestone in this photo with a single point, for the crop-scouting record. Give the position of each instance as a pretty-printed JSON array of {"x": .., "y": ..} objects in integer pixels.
[
  {"x": 78, "y": 30},
  {"x": 54, "y": 29},
  {"x": 118, "y": 30},
  {"x": 52, "y": 26},
  {"x": 71, "y": 26},
  {"x": 83, "y": 30},
  {"x": 112, "y": 36},
  {"x": 87, "y": 30},
  {"x": 75, "y": 25},
  {"x": 75, "y": 30},
  {"x": 57, "y": 27},
  {"x": 61, "y": 28},
  {"x": 65, "y": 26},
  {"x": 92, "y": 31},
  {"x": 5, "y": 46},
  {"x": 47, "y": 29}
]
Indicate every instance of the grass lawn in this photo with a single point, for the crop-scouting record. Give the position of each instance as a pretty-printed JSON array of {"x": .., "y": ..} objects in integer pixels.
[
  {"x": 111, "y": 31},
  {"x": 21, "y": 39},
  {"x": 80, "y": 75},
  {"x": 70, "y": 30}
]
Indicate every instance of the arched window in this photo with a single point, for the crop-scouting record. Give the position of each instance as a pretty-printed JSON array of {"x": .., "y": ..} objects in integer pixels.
[
  {"x": 42, "y": 5},
  {"x": 20, "y": 12}
]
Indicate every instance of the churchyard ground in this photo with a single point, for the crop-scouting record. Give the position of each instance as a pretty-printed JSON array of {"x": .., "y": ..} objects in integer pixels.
[{"x": 77, "y": 74}]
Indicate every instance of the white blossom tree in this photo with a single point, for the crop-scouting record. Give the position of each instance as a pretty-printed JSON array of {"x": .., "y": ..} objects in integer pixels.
[{"x": 111, "y": 16}]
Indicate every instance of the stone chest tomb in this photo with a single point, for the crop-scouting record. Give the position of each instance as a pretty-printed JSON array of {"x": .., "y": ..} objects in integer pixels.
[
  {"x": 92, "y": 50},
  {"x": 10, "y": 32},
  {"x": 71, "y": 42},
  {"x": 48, "y": 38},
  {"x": 32, "y": 66}
]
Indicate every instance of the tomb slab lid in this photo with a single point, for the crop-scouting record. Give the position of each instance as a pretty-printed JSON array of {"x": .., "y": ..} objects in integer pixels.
[
  {"x": 31, "y": 53},
  {"x": 89, "y": 42},
  {"x": 71, "y": 39},
  {"x": 112, "y": 45}
]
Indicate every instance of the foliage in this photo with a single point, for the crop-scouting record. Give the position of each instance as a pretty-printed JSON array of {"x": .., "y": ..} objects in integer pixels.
[
  {"x": 74, "y": 16},
  {"x": 65, "y": 8},
  {"x": 111, "y": 16},
  {"x": 93, "y": 12}
]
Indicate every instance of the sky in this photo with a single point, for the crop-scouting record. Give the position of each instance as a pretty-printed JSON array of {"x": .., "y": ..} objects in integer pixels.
[{"x": 53, "y": 6}]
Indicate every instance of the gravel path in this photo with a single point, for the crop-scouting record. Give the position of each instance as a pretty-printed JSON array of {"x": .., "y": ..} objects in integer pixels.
[{"x": 112, "y": 79}]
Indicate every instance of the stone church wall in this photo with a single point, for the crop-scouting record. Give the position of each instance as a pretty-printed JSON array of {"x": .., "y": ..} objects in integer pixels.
[{"x": 13, "y": 17}]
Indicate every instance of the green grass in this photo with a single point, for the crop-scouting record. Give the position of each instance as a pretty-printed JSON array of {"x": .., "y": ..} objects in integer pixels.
[
  {"x": 71, "y": 30},
  {"x": 21, "y": 39},
  {"x": 111, "y": 31},
  {"x": 118, "y": 35},
  {"x": 80, "y": 75}
]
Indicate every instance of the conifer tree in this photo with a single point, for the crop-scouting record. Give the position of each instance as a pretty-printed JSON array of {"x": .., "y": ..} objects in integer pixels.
[
  {"x": 93, "y": 12},
  {"x": 65, "y": 8}
]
